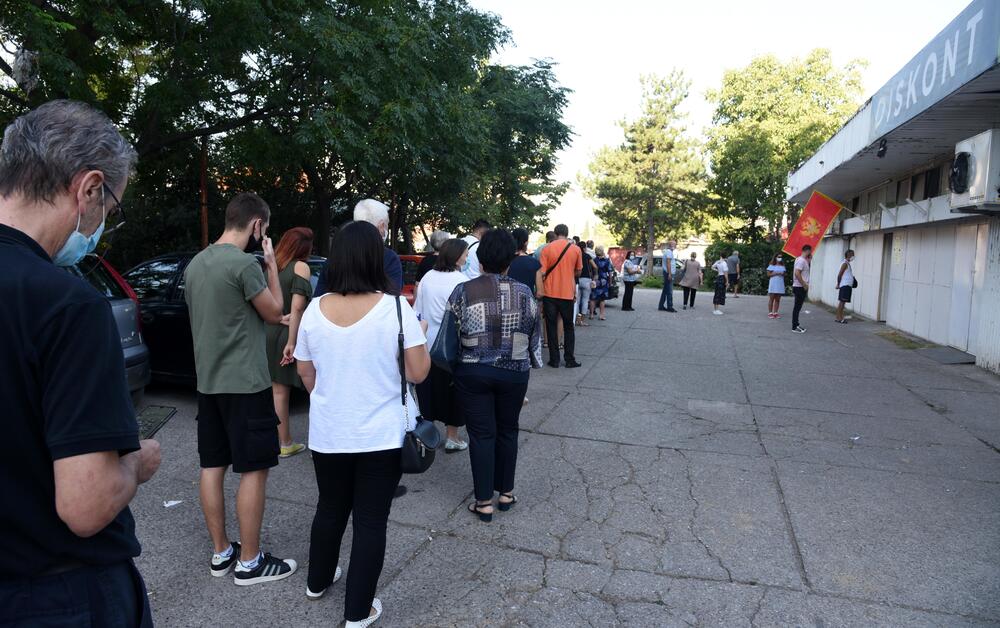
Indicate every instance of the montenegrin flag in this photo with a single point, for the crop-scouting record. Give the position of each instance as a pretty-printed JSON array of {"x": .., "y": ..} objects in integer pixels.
[{"x": 813, "y": 222}]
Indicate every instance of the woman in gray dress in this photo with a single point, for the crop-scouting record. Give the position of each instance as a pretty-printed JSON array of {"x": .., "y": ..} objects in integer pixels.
[{"x": 296, "y": 289}]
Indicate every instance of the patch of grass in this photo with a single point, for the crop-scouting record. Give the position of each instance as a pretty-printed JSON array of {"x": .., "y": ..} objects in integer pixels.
[{"x": 903, "y": 341}]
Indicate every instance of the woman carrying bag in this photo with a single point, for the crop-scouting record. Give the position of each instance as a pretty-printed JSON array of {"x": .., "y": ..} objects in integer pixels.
[
  {"x": 491, "y": 340},
  {"x": 348, "y": 357},
  {"x": 437, "y": 393}
]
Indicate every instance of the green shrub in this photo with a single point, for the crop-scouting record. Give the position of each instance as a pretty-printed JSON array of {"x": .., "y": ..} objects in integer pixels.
[
  {"x": 653, "y": 281},
  {"x": 754, "y": 259}
]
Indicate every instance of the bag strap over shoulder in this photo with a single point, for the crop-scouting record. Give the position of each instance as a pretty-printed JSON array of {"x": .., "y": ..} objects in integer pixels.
[
  {"x": 402, "y": 366},
  {"x": 558, "y": 259}
]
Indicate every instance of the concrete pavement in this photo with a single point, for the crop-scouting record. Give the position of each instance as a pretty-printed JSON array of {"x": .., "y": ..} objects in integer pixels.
[{"x": 698, "y": 470}]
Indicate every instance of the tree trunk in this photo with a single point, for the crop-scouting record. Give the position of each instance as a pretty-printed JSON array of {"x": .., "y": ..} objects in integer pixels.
[
  {"x": 204, "y": 192},
  {"x": 650, "y": 239}
]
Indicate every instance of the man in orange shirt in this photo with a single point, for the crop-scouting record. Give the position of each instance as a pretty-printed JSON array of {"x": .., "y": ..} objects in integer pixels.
[{"x": 562, "y": 263}]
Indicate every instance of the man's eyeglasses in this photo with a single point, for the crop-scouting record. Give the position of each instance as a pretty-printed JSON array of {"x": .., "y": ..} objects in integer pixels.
[{"x": 116, "y": 215}]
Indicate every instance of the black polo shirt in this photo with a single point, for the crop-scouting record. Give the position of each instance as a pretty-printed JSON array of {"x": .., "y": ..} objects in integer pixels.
[{"x": 63, "y": 393}]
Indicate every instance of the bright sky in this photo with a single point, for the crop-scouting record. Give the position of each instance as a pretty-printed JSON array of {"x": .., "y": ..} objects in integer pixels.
[{"x": 602, "y": 47}]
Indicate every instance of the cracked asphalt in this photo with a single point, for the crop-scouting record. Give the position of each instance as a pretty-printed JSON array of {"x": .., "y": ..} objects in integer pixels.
[{"x": 697, "y": 471}]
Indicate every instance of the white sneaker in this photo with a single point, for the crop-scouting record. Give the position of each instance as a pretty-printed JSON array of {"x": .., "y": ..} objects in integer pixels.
[
  {"x": 368, "y": 621},
  {"x": 315, "y": 596},
  {"x": 717, "y": 312}
]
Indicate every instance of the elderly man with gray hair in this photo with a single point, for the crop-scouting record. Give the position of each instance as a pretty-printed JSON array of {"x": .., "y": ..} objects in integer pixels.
[
  {"x": 68, "y": 535},
  {"x": 426, "y": 265},
  {"x": 376, "y": 213}
]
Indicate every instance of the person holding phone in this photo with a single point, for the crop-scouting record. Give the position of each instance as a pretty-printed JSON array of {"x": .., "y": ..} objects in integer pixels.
[
  {"x": 75, "y": 459},
  {"x": 230, "y": 304}
]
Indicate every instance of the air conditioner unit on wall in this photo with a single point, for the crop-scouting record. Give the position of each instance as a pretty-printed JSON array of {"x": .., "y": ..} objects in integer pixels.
[{"x": 975, "y": 174}]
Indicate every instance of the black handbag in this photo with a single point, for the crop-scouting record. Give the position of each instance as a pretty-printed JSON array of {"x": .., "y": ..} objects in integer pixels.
[
  {"x": 421, "y": 443},
  {"x": 445, "y": 352}
]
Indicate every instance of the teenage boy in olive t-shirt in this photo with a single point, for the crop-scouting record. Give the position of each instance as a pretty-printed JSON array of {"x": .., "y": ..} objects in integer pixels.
[{"x": 230, "y": 303}]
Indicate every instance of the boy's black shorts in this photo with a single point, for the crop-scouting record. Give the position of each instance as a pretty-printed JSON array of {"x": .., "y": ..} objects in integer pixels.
[{"x": 239, "y": 430}]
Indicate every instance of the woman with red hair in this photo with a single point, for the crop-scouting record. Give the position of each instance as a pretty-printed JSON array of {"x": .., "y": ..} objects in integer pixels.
[{"x": 293, "y": 275}]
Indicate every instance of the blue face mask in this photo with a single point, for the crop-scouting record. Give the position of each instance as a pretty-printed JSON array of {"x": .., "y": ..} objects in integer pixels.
[{"x": 78, "y": 244}]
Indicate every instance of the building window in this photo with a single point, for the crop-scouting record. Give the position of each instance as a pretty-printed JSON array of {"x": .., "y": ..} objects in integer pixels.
[
  {"x": 902, "y": 191},
  {"x": 917, "y": 186},
  {"x": 932, "y": 182}
]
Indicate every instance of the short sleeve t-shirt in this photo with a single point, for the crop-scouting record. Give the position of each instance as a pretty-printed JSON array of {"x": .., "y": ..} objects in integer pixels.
[
  {"x": 733, "y": 261},
  {"x": 432, "y": 298},
  {"x": 560, "y": 283},
  {"x": 524, "y": 268},
  {"x": 355, "y": 405},
  {"x": 64, "y": 393},
  {"x": 230, "y": 338},
  {"x": 802, "y": 265},
  {"x": 722, "y": 267},
  {"x": 668, "y": 261}
]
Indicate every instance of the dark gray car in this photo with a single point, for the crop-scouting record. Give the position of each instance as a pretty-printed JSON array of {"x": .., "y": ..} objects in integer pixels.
[{"x": 98, "y": 273}]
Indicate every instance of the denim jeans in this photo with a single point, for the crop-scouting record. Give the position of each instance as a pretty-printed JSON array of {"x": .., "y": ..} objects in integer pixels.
[
  {"x": 583, "y": 295},
  {"x": 110, "y": 595},
  {"x": 668, "y": 291}
]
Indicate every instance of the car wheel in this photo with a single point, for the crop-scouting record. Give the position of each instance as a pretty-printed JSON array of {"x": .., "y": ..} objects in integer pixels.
[{"x": 138, "y": 397}]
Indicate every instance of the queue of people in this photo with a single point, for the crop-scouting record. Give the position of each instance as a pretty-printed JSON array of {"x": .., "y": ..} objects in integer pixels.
[{"x": 259, "y": 331}]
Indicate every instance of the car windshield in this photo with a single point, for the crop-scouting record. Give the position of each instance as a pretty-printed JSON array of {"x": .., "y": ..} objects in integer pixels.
[{"x": 93, "y": 272}]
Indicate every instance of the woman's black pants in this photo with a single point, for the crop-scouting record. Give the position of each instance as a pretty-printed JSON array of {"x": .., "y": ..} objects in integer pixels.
[
  {"x": 689, "y": 292},
  {"x": 492, "y": 408},
  {"x": 362, "y": 484},
  {"x": 627, "y": 299}
]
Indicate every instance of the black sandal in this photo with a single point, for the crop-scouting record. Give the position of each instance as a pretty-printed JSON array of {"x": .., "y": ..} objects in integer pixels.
[
  {"x": 505, "y": 506},
  {"x": 476, "y": 509}
]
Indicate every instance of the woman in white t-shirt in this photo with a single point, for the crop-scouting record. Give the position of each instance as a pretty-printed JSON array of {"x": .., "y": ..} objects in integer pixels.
[
  {"x": 775, "y": 285},
  {"x": 721, "y": 267},
  {"x": 347, "y": 353},
  {"x": 437, "y": 393}
]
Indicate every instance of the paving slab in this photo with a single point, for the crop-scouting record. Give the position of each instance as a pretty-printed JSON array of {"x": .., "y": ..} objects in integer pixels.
[{"x": 905, "y": 539}]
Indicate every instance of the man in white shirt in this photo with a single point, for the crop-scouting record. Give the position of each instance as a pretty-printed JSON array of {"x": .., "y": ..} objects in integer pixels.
[
  {"x": 471, "y": 268},
  {"x": 667, "y": 295},
  {"x": 845, "y": 285},
  {"x": 800, "y": 285}
]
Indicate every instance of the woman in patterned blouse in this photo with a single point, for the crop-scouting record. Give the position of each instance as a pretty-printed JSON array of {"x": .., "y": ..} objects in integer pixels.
[{"x": 498, "y": 322}]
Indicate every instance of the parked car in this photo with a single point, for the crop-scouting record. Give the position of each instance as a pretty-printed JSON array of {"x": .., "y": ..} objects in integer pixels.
[
  {"x": 658, "y": 263},
  {"x": 125, "y": 307},
  {"x": 410, "y": 264},
  {"x": 159, "y": 284}
]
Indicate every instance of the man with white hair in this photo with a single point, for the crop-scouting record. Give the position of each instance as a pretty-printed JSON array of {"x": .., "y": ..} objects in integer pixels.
[
  {"x": 376, "y": 213},
  {"x": 75, "y": 459}
]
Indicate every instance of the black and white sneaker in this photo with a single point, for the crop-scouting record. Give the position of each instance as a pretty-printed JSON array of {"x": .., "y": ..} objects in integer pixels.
[
  {"x": 269, "y": 569},
  {"x": 798, "y": 330},
  {"x": 316, "y": 595},
  {"x": 222, "y": 566}
]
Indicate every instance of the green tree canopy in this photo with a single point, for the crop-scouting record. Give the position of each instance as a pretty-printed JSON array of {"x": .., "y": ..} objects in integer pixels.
[
  {"x": 770, "y": 117},
  {"x": 314, "y": 104},
  {"x": 652, "y": 185}
]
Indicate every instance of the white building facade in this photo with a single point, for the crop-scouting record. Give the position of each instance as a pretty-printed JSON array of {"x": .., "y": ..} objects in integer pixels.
[{"x": 925, "y": 264}]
